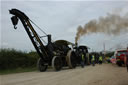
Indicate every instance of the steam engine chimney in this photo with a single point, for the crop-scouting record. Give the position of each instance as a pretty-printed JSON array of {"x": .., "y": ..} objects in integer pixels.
[
  {"x": 49, "y": 38},
  {"x": 76, "y": 44}
]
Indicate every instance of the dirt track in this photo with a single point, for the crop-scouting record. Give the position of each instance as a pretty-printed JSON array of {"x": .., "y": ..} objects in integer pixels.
[{"x": 106, "y": 74}]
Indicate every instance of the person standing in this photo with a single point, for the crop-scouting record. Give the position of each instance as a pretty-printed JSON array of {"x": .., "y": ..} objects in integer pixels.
[
  {"x": 127, "y": 59},
  {"x": 93, "y": 60},
  {"x": 100, "y": 59},
  {"x": 82, "y": 60}
]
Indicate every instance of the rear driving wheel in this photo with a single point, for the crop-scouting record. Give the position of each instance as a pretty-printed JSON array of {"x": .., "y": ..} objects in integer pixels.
[
  {"x": 56, "y": 63},
  {"x": 41, "y": 66},
  {"x": 71, "y": 60}
]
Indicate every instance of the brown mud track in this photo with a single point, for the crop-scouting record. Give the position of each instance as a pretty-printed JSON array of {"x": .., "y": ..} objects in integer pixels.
[{"x": 106, "y": 74}]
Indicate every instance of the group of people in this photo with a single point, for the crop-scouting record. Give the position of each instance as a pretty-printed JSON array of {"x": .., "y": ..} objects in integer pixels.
[
  {"x": 93, "y": 60},
  {"x": 99, "y": 60}
]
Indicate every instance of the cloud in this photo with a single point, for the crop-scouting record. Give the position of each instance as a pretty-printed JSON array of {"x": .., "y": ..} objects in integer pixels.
[
  {"x": 59, "y": 18},
  {"x": 4, "y": 45}
]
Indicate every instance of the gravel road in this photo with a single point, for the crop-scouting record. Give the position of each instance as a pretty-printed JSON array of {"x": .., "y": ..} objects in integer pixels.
[{"x": 106, "y": 74}]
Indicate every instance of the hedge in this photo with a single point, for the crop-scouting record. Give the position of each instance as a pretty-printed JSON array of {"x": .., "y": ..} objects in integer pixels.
[{"x": 12, "y": 59}]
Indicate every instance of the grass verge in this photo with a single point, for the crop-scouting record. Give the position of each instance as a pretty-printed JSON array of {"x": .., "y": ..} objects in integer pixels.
[{"x": 18, "y": 70}]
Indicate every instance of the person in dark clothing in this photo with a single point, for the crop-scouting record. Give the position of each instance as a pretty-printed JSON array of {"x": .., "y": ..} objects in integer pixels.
[
  {"x": 127, "y": 59},
  {"x": 93, "y": 60},
  {"x": 100, "y": 59},
  {"x": 82, "y": 60},
  {"x": 127, "y": 63}
]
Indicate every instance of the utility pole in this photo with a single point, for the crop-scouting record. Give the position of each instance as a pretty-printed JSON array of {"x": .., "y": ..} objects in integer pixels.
[{"x": 104, "y": 49}]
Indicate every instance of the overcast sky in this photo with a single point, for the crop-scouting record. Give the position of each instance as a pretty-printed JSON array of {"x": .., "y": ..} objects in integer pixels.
[{"x": 60, "y": 19}]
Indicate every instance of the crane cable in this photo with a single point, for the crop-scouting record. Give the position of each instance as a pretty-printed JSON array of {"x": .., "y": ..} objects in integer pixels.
[
  {"x": 40, "y": 30},
  {"x": 38, "y": 27}
]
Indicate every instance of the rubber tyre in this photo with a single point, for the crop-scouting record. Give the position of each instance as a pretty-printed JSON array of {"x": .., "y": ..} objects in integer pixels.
[
  {"x": 41, "y": 66},
  {"x": 119, "y": 63},
  {"x": 56, "y": 63}
]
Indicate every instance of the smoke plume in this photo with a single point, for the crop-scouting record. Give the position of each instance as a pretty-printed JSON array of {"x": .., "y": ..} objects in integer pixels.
[{"x": 111, "y": 24}]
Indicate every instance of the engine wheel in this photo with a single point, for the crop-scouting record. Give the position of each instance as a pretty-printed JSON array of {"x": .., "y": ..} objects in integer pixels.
[
  {"x": 41, "y": 66},
  {"x": 56, "y": 63},
  {"x": 71, "y": 60},
  {"x": 119, "y": 63}
]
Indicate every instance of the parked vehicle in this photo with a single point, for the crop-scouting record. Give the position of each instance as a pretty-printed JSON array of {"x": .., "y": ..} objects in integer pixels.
[
  {"x": 120, "y": 54},
  {"x": 113, "y": 59}
]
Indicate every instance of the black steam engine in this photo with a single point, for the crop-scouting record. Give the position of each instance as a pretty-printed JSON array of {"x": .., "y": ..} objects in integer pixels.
[
  {"x": 56, "y": 54},
  {"x": 79, "y": 51}
]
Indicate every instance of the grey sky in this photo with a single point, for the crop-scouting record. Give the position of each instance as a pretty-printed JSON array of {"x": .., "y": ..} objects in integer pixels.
[{"x": 60, "y": 19}]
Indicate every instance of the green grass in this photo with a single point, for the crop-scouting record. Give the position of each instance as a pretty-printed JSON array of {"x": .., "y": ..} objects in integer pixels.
[{"x": 18, "y": 70}]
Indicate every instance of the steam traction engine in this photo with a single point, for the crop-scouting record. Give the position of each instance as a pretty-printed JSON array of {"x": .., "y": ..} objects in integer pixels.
[
  {"x": 56, "y": 54},
  {"x": 79, "y": 50}
]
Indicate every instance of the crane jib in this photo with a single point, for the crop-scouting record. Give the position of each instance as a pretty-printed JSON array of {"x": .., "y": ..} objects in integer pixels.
[{"x": 40, "y": 48}]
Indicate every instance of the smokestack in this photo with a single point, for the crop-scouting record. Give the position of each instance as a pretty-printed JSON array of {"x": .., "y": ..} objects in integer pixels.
[
  {"x": 49, "y": 38},
  {"x": 76, "y": 44}
]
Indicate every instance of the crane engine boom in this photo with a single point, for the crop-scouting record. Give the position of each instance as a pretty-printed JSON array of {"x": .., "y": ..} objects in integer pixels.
[{"x": 39, "y": 46}]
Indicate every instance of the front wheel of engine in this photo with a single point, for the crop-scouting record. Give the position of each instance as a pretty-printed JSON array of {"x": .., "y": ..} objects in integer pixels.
[
  {"x": 41, "y": 66},
  {"x": 56, "y": 63}
]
